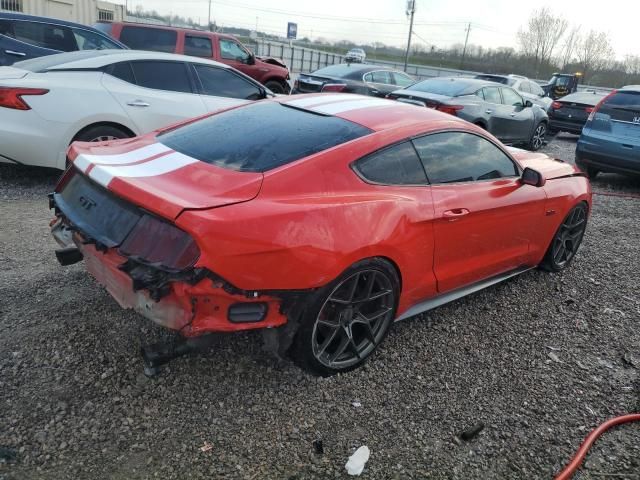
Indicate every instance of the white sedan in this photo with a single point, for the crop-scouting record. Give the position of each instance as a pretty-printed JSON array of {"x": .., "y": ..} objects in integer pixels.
[{"x": 48, "y": 102}]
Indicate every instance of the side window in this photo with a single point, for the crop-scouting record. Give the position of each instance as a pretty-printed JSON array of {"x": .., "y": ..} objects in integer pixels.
[
  {"x": 403, "y": 80},
  {"x": 145, "y": 38},
  {"x": 6, "y": 28},
  {"x": 492, "y": 95},
  {"x": 510, "y": 97},
  {"x": 480, "y": 93},
  {"x": 44, "y": 35},
  {"x": 221, "y": 82},
  {"x": 382, "y": 76},
  {"x": 171, "y": 76},
  {"x": 524, "y": 87},
  {"x": 397, "y": 165},
  {"x": 536, "y": 89},
  {"x": 368, "y": 77},
  {"x": 122, "y": 71},
  {"x": 198, "y": 46},
  {"x": 87, "y": 40},
  {"x": 462, "y": 157},
  {"x": 231, "y": 50}
]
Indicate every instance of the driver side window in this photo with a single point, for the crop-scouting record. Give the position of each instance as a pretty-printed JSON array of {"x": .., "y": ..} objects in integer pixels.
[
  {"x": 452, "y": 157},
  {"x": 231, "y": 50},
  {"x": 510, "y": 97}
]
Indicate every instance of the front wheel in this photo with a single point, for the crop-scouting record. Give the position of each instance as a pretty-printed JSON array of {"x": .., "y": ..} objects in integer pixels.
[
  {"x": 276, "y": 87},
  {"x": 348, "y": 318},
  {"x": 537, "y": 139},
  {"x": 567, "y": 240}
]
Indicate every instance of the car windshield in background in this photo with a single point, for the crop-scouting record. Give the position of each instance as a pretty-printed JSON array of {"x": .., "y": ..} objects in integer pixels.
[
  {"x": 238, "y": 140},
  {"x": 336, "y": 70},
  {"x": 450, "y": 88},
  {"x": 41, "y": 64}
]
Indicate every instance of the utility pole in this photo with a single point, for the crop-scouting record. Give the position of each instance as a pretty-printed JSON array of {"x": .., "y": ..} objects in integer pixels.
[
  {"x": 209, "y": 23},
  {"x": 464, "y": 50},
  {"x": 411, "y": 9}
]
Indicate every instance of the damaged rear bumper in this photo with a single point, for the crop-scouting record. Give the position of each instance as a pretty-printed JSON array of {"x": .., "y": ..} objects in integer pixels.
[{"x": 194, "y": 302}]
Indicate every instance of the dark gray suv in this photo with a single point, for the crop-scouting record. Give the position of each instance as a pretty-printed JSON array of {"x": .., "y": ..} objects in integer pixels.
[
  {"x": 496, "y": 108},
  {"x": 27, "y": 36}
]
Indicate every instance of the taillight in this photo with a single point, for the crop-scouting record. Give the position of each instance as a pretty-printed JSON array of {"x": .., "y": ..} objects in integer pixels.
[
  {"x": 450, "y": 109},
  {"x": 593, "y": 111},
  {"x": 333, "y": 87},
  {"x": 157, "y": 242},
  {"x": 11, "y": 97},
  {"x": 556, "y": 105},
  {"x": 589, "y": 109}
]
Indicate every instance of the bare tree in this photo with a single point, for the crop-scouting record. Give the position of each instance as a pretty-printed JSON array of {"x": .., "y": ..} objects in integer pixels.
[
  {"x": 632, "y": 64},
  {"x": 542, "y": 35},
  {"x": 569, "y": 47},
  {"x": 594, "y": 52}
]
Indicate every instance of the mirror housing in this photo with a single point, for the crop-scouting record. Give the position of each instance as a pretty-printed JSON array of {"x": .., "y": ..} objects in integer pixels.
[
  {"x": 532, "y": 177},
  {"x": 528, "y": 104},
  {"x": 252, "y": 59}
]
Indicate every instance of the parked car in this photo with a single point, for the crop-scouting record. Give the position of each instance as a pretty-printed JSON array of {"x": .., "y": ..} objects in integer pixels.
[
  {"x": 610, "y": 140},
  {"x": 355, "y": 55},
  {"x": 227, "y": 49},
  {"x": 26, "y": 36},
  {"x": 569, "y": 113},
  {"x": 529, "y": 89},
  {"x": 562, "y": 84},
  {"x": 47, "y": 103},
  {"x": 497, "y": 108},
  {"x": 362, "y": 211},
  {"x": 364, "y": 79}
]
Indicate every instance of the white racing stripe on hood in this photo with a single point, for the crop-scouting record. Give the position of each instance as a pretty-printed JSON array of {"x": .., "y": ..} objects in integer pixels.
[
  {"x": 341, "y": 107},
  {"x": 103, "y": 174},
  {"x": 324, "y": 98},
  {"x": 83, "y": 161}
]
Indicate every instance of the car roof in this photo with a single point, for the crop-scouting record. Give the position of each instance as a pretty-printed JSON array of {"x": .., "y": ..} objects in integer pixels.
[
  {"x": 633, "y": 88},
  {"x": 169, "y": 27},
  {"x": 377, "y": 114},
  {"x": 35, "y": 18},
  {"x": 470, "y": 82},
  {"x": 82, "y": 61}
]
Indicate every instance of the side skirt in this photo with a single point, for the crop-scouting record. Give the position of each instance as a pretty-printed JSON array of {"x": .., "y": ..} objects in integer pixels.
[{"x": 439, "y": 300}]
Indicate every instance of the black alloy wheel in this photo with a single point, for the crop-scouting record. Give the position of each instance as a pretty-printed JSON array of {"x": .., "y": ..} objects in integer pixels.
[{"x": 567, "y": 240}]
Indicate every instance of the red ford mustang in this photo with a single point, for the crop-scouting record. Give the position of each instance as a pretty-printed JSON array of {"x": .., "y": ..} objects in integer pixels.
[{"x": 327, "y": 216}]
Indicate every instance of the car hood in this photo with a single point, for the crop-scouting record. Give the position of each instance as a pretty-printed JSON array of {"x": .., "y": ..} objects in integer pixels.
[
  {"x": 273, "y": 61},
  {"x": 547, "y": 166},
  {"x": 146, "y": 173}
]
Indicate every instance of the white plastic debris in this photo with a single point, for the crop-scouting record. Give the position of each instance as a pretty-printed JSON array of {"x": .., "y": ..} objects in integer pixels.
[
  {"x": 356, "y": 404},
  {"x": 356, "y": 462}
]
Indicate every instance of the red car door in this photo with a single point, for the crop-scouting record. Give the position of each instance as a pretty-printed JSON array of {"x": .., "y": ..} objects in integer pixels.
[{"x": 484, "y": 216}]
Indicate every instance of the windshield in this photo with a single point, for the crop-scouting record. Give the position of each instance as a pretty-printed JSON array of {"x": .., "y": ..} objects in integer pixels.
[{"x": 238, "y": 140}]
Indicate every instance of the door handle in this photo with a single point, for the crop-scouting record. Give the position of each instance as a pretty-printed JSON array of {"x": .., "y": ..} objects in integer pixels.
[
  {"x": 626, "y": 145},
  {"x": 137, "y": 103},
  {"x": 512, "y": 114},
  {"x": 489, "y": 111},
  {"x": 13, "y": 52},
  {"x": 454, "y": 214}
]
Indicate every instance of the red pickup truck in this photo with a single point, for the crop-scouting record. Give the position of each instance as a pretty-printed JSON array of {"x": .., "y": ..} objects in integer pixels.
[{"x": 272, "y": 73}]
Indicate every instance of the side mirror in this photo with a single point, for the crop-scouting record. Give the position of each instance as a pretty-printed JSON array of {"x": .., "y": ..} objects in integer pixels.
[
  {"x": 528, "y": 104},
  {"x": 532, "y": 177},
  {"x": 251, "y": 60}
]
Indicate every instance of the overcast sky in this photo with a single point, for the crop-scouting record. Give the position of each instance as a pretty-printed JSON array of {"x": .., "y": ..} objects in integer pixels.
[{"x": 438, "y": 22}]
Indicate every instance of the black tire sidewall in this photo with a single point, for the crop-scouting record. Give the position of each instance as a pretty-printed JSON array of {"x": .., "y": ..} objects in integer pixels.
[
  {"x": 548, "y": 263},
  {"x": 301, "y": 349},
  {"x": 100, "y": 131},
  {"x": 275, "y": 86}
]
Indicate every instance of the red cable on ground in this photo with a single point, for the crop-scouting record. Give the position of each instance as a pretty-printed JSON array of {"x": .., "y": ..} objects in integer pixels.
[
  {"x": 578, "y": 458},
  {"x": 614, "y": 194}
]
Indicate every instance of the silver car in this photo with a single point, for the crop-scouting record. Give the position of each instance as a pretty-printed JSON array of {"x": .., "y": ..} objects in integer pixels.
[
  {"x": 495, "y": 107},
  {"x": 529, "y": 89},
  {"x": 355, "y": 55}
]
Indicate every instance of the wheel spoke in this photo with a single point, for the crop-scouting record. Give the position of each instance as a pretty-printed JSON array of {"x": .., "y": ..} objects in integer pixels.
[
  {"x": 380, "y": 294},
  {"x": 370, "y": 283},
  {"x": 354, "y": 287},
  {"x": 341, "y": 348},
  {"x": 328, "y": 341}
]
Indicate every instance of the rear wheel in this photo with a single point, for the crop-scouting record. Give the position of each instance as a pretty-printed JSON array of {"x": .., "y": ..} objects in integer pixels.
[
  {"x": 101, "y": 133},
  {"x": 347, "y": 319},
  {"x": 567, "y": 240},
  {"x": 537, "y": 139},
  {"x": 590, "y": 171}
]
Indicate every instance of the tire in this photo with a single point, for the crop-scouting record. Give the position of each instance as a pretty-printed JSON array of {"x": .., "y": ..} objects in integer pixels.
[
  {"x": 567, "y": 239},
  {"x": 481, "y": 125},
  {"x": 537, "y": 138},
  {"x": 276, "y": 86},
  {"x": 347, "y": 319},
  {"x": 591, "y": 172},
  {"x": 101, "y": 133}
]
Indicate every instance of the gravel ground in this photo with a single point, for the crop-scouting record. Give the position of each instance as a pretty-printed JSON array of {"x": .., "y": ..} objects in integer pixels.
[{"x": 539, "y": 360}]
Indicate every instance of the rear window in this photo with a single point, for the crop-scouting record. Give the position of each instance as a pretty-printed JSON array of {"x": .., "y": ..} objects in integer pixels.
[
  {"x": 238, "y": 140},
  {"x": 450, "y": 88},
  {"x": 145, "y": 38},
  {"x": 491, "y": 78},
  {"x": 582, "y": 98},
  {"x": 624, "y": 106},
  {"x": 339, "y": 71}
]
